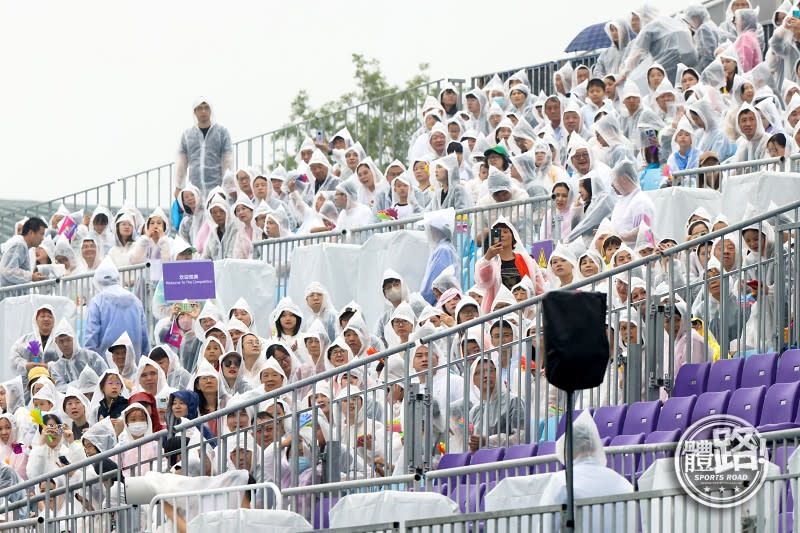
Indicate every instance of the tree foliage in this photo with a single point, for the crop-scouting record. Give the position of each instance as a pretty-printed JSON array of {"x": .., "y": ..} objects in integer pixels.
[{"x": 380, "y": 115}]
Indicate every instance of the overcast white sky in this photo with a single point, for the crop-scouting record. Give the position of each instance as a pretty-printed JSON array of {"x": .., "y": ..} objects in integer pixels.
[{"x": 96, "y": 90}]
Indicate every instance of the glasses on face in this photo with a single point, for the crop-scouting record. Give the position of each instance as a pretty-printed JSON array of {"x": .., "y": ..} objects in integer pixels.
[
  {"x": 338, "y": 351},
  {"x": 114, "y": 383},
  {"x": 251, "y": 343},
  {"x": 231, "y": 362},
  {"x": 580, "y": 156}
]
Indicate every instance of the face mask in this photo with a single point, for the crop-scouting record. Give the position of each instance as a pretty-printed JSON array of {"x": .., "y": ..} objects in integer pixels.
[
  {"x": 394, "y": 295},
  {"x": 185, "y": 323},
  {"x": 137, "y": 428},
  {"x": 303, "y": 464},
  {"x": 499, "y": 100}
]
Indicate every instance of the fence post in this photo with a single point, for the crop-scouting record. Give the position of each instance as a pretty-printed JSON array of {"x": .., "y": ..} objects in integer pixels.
[
  {"x": 331, "y": 471},
  {"x": 633, "y": 373},
  {"x": 414, "y": 419},
  {"x": 655, "y": 352}
]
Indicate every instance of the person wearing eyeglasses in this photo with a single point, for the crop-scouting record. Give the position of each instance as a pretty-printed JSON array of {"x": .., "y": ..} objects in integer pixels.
[{"x": 110, "y": 397}]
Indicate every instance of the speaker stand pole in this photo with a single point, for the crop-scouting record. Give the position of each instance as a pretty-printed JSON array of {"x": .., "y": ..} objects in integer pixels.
[{"x": 569, "y": 524}]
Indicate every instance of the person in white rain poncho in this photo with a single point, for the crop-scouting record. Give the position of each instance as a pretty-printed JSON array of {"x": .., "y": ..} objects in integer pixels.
[
  {"x": 752, "y": 142},
  {"x": 37, "y": 348},
  {"x": 205, "y": 151},
  {"x": 321, "y": 178},
  {"x": 448, "y": 191},
  {"x": 615, "y": 146},
  {"x": 67, "y": 368},
  {"x": 597, "y": 203},
  {"x": 581, "y": 159},
  {"x": 320, "y": 307},
  {"x": 399, "y": 327},
  {"x": 563, "y": 267},
  {"x": 667, "y": 40},
  {"x": 125, "y": 238},
  {"x": 371, "y": 181},
  {"x": 633, "y": 206},
  {"x": 12, "y": 451},
  {"x": 592, "y": 479},
  {"x": 395, "y": 292},
  {"x": 706, "y": 34},
  {"x": 711, "y": 138},
  {"x": 500, "y": 188},
  {"x": 228, "y": 239},
  {"x": 100, "y": 226},
  {"x": 567, "y": 213},
  {"x": 15, "y": 263},
  {"x": 475, "y": 102},
  {"x": 12, "y": 395},
  {"x": 154, "y": 245},
  {"x": 362, "y": 438},
  {"x": 351, "y": 156},
  {"x": 405, "y": 196},
  {"x": 150, "y": 377},
  {"x": 231, "y": 377},
  {"x": 353, "y": 213},
  {"x": 287, "y": 322},
  {"x": 612, "y": 57},
  {"x": 65, "y": 255},
  {"x": 496, "y": 412}
]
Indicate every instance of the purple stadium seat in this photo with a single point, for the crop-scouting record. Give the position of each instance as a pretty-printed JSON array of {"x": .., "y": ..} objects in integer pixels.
[
  {"x": 562, "y": 423},
  {"x": 321, "y": 511},
  {"x": 780, "y": 407},
  {"x": 691, "y": 379},
  {"x": 747, "y": 404},
  {"x": 759, "y": 369},
  {"x": 625, "y": 464},
  {"x": 485, "y": 456},
  {"x": 609, "y": 420},
  {"x": 788, "y": 367},
  {"x": 725, "y": 374},
  {"x": 642, "y": 417},
  {"x": 658, "y": 437},
  {"x": 676, "y": 413},
  {"x": 785, "y": 518},
  {"x": 710, "y": 403},
  {"x": 452, "y": 460},
  {"x": 547, "y": 448},
  {"x": 780, "y": 456},
  {"x": 518, "y": 451}
]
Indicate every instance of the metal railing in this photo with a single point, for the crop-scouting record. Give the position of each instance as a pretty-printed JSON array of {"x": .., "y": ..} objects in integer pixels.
[
  {"x": 713, "y": 176},
  {"x": 534, "y": 219},
  {"x": 540, "y": 77},
  {"x": 530, "y": 408},
  {"x": 80, "y": 289},
  {"x": 384, "y": 127}
]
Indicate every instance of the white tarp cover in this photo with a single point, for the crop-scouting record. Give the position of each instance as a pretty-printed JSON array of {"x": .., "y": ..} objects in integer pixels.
[
  {"x": 255, "y": 281},
  {"x": 758, "y": 189},
  {"x": 16, "y": 319},
  {"x": 352, "y": 272},
  {"x": 247, "y": 520},
  {"x": 674, "y": 206},
  {"x": 683, "y": 514},
  {"x": 516, "y": 493},
  {"x": 390, "y": 506}
]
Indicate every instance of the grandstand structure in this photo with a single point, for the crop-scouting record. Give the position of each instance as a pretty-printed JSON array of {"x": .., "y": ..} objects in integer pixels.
[{"x": 641, "y": 409}]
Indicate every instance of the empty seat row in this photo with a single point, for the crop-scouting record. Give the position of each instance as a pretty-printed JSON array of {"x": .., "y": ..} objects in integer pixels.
[{"x": 731, "y": 374}]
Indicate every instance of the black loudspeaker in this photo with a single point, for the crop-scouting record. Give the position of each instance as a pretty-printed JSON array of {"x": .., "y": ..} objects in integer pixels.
[{"x": 575, "y": 341}]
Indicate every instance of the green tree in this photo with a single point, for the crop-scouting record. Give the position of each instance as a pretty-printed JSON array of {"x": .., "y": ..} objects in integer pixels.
[{"x": 380, "y": 115}]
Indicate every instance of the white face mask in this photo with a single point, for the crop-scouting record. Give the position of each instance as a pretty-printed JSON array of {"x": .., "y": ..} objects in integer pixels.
[
  {"x": 137, "y": 428},
  {"x": 394, "y": 295}
]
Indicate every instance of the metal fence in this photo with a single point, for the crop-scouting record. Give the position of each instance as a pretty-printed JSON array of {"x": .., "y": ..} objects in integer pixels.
[
  {"x": 80, "y": 289},
  {"x": 357, "y": 410},
  {"x": 384, "y": 127},
  {"x": 535, "y": 219},
  {"x": 540, "y": 77},
  {"x": 713, "y": 176}
]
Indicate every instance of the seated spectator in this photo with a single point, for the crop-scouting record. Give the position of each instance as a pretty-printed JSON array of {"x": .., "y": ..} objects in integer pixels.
[
  {"x": 13, "y": 452},
  {"x": 177, "y": 376},
  {"x": 109, "y": 398},
  {"x": 633, "y": 207},
  {"x": 505, "y": 263},
  {"x": 67, "y": 368},
  {"x": 37, "y": 348},
  {"x": 15, "y": 264},
  {"x": 55, "y": 440},
  {"x": 123, "y": 360},
  {"x": 496, "y": 414},
  {"x": 137, "y": 425},
  {"x": 228, "y": 238},
  {"x": 99, "y": 438},
  {"x": 77, "y": 407}
]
